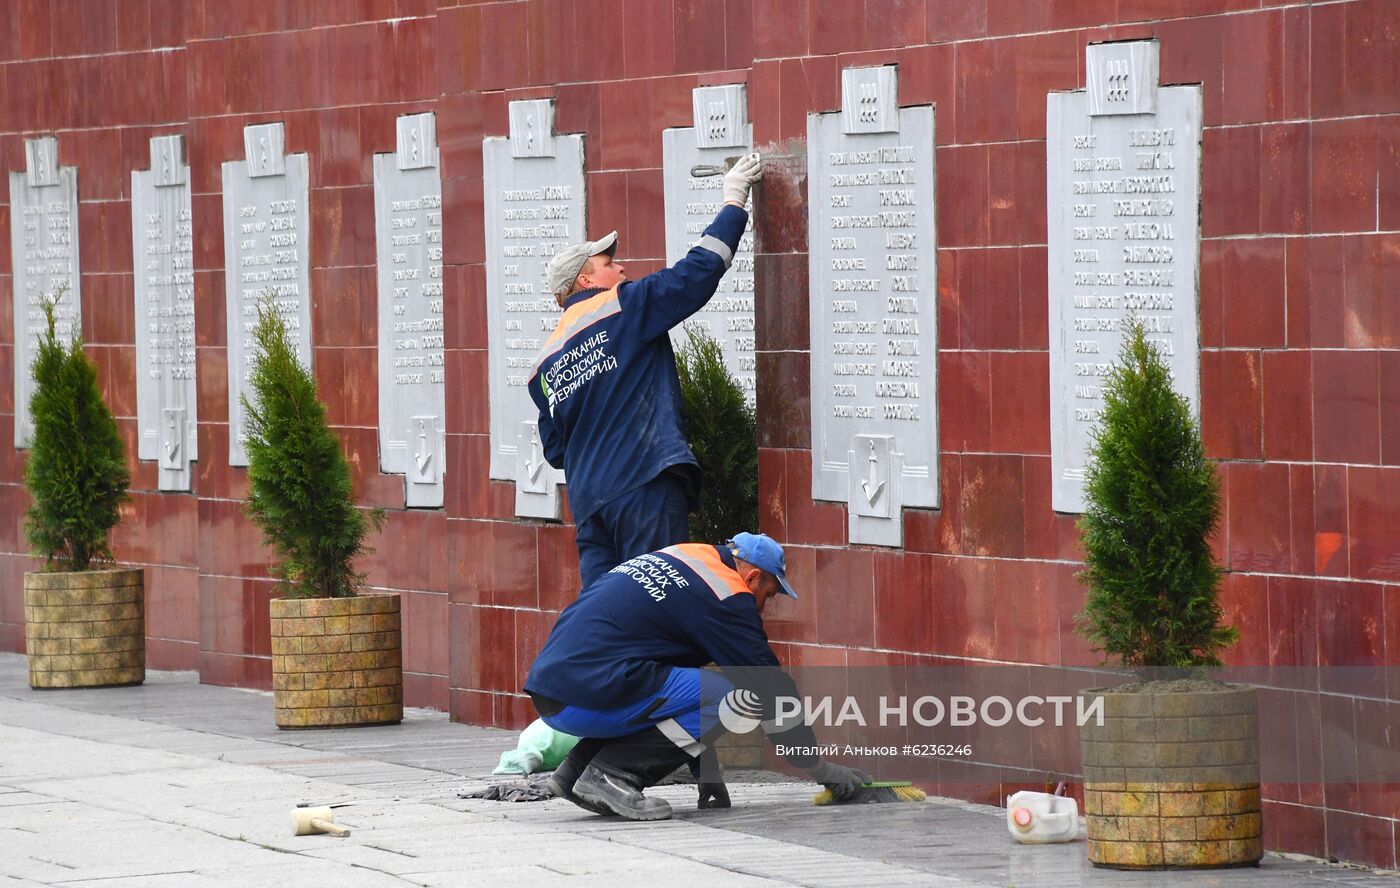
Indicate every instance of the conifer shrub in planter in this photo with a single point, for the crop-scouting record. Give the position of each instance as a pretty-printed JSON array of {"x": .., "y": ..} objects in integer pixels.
[
  {"x": 722, "y": 430},
  {"x": 1171, "y": 775},
  {"x": 336, "y": 655},
  {"x": 84, "y": 616}
]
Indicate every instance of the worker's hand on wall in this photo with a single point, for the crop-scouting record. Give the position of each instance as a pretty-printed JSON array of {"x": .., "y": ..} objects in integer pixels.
[
  {"x": 740, "y": 178},
  {"x": 841, "y": 780}
]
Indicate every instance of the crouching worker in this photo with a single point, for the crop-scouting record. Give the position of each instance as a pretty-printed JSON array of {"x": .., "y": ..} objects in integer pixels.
[{"x": 623, "y": 670}]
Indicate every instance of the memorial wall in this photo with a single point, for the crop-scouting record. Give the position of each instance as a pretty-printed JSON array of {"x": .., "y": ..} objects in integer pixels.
[{"x": 959, "y": 208}]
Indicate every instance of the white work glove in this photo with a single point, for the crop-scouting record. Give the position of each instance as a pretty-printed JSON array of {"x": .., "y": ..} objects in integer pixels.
[
  {"x": 740, "y": 179},
  {"x": 841, "y": 780}
]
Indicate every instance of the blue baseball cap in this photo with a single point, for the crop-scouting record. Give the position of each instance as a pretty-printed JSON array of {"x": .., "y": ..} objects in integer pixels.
[{"x": 759, "y": 550}]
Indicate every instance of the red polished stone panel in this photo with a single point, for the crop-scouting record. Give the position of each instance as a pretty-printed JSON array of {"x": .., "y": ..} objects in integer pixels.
[
  {"x": 532, "y": 627},
  {"x": 1212, "y": 293},
  {"x": 1346, "y": 410},
  {"x": 1252, "y": 295},
  {"x": 955, "y": 19},
  {"x": 348, "y": 381},
  {"x": 106, "y": 236},
  {"x": 607, "y": 208},
  {"x": 904, "y": 594},
  {"x": 984, "y": 114},
  {"x": 1285, "y": 155},
  {"x": 1344, "y": 174},
  {"x": 1376, "y": 755},
  {"x": 965, "y": 401},
  {"x": 1371, "y": 274},
  {"x": 807, "y": 85},
  {"x": 1016, "y": 190},
  {"x": 782, "y": 302},
  {"x": 494, "y": 661},
  {"x": 626, "y": 137},
  {"x": 993, "y": 505},
  {"x": 1358, "y": 838},
  {"x": 459, "y": 130},
  {"x": 1287, "y": 400},
  {"x": 1351, "y": 639},
  {"x": 963, "y": 190},
  {"x": 772, "y": 504},
  {"x": 108, "y": 309},
  {"x": 7, "y": 369},
  {"x": 464, "y": 242},
  {"x": 1351, "y": 74},
  {"x": 1230, "y": 181},
  {"x": 1371, "y": 521},
  {"x": 788, "y": 620},
  {"x": 810, "y": 522},
  {"x": 558, "y": 556},
  {"x": 467, "y": 407},
  {"x": 1244, "y": 599},
  {"x": 1315, "y": 277},
  {"x": 1254, "y": 83},
  {"x": 783, "y": 399},
  {"x": 988, "y": 297},
  {"x": 699, "y": 35},
  {"x": 1295, "y": 828},
  {"x": 646, "y": 214},
  {"x": 1020, "y": 401},
  {"x": 1230, "y": 404},
  {"x": 1027, "y": 614},
  {"x": 1049, "y": 534},
  {"x": 1044, "y": 63},
  {"x": 344, "y": 307}
]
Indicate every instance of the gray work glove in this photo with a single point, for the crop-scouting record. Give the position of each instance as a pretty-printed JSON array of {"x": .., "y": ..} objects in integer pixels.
[
  {"x": 713, "y": 795},
  {"x": 740, "y": 179},
  {"x": 841, "y": 780}
]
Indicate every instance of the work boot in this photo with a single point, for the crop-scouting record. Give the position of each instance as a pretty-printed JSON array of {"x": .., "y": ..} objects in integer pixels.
[
  {"x": 619, "y": 796},
  {"x": 562, "y": 781}
]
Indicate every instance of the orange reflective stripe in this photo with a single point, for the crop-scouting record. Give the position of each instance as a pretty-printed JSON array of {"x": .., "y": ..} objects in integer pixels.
[
  {"x": 577, "y": 317},
  {"x": 722, "y": 579}
]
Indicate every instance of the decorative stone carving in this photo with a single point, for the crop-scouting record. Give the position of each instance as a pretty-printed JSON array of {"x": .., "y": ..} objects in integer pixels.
[
  {"x": 408, "y": 240},
  {"x": 534, "y": 187},
  {"x": 44, "y": 250},
  {"x": 162, "y": 245},
  {"x": 874, "y": 308},
  {"x": 1124, "y": 191},
  {"x": 267, "y": 255},
  {"x": 721, "y": 131}
]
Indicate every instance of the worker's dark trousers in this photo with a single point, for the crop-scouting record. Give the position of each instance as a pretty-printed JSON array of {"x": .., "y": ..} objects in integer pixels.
[{"x": 652, "y": 517}]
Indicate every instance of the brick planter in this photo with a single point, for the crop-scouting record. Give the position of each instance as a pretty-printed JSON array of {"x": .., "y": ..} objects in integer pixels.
[
  {"x": 1172, "y": 779},
  {"x": 337, "y": 662},
  {"x": 85, "y": 629}
]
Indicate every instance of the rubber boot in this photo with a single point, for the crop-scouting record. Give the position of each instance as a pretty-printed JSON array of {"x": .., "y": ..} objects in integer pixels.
[{"x": 562, "y": 781}]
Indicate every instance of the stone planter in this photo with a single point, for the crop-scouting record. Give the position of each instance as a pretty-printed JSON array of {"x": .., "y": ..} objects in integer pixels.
[
  {"x": 337, "y": 662},
  {"x": 85, "y": 629},
  {"x": 1171, "y": 779}
]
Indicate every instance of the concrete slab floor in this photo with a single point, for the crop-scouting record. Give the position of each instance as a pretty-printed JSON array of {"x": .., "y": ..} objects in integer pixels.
[{"x": 179, "y": 784}]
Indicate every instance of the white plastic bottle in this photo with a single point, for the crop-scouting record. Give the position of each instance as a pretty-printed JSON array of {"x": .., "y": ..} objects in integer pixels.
[{"x": 1037, "y": 818}]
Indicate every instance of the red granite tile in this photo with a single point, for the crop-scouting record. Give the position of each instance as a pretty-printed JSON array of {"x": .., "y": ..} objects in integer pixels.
[
  {"x": 1370, "y": 57},
  {"x": 981, "y": 72},
  {"x": 738, "y": 34},
  {"x": 1230, "y": 404},
  {"x": 109, "y": 313},
  {"x": 782, "y": 226},
  {"x": 167, "y": 23},
  {"x": 649, "y": 33},
  {"x": 1193, "y": 51},
  {"x": 1027, "y": 614},
  {"x": 988, "y": 298},
  {"x": 810, "y": 522},
  {"x": 780, "y": 28},
  {"x": 1049, "y": 534},
  {"x": 1295, "y": 828},
  {"x": 425, "y": 632},
  {"x": 1252, "y": 293},
  {"x": 781, "y": 302},
  {"x": 1371, "y": 272},
  {"x": 1253, "y": 82},
  {"x": 599, "y": 66},
  {"x": 772, "y": 482},
  {"x": 1258, "y": 528},
  {"x": 1371, "y": 514},
  {"x": 559, "y": 577},
  {"x": 698, "y": 38},
  {"x": 1346, "y": 410},
  {"x": 411, "y": 44},
  {"x": 963, "y": 171},
  {"x": 1230, "y": 181},
  {"x": 784, "y": 399},
  {"x": 646, "y": 215},
  {"x": 1293, "y": 627},
  {"x": 1344, "y": 174},
  {"x": 1035, "y": 300},
  {"x": 1287, "y": 400},
  {"x": 532, "y": 627},
  {"x": 993, "y": 502},
  {"x": 496, "y": 650},
  {"x": 836, "y": 27},
  {"x": 1285, "y": 158},
  {"x": 955, "y": 19},
  {"x": 464, "y": 370},
  {"x": 904, "y": 612},
  {"x": 926, "y": 77},
  {"x": 1044, "y": 63},
  {"x": 1315, "y": 278},
  {"x": 1355, "y": 838},
  {"x": 461, "y": 646},
  {"x": 624, "y": 142},
  {"x": 965, "y": 401},
  {"x": 1331, "y": 549},
  {"x": 787, "y": 620},
  {"x": 1378, "y": 777},
  {"x": 1351, "y": 643},
  {"x": 1244, "y": 600},
  {"x": 1016, "y": 187},
  {"x": 1020, "y": 402},
  {"x": 807, "y": 85}
]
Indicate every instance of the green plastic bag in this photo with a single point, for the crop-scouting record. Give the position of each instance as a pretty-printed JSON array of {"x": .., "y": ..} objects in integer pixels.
[{"x": 541, "y": 748}]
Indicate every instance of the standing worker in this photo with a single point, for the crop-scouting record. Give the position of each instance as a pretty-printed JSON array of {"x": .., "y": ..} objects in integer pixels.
[
  {"x": 623, "y": 669},
  {"x": 608, "y": 393}
]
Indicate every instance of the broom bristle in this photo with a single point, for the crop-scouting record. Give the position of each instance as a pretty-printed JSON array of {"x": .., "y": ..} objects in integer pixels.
[{"x": 875, "y": 793}]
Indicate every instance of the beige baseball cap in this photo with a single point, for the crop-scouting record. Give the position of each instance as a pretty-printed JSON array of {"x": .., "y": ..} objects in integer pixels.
[{"x": 568, "y": 262}]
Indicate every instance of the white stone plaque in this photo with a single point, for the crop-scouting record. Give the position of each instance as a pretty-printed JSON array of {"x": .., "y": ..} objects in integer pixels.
[
  {"x": 267, "y": 255},
  {"x": 874, "y": 307},
  {"x": 162, "y": 246},
  {"x": 534, "y": 206},
  {"x": 44, "y": 253},
  {"x": 692, "y": 202},
  {"x": 1124, "y": 239},
  {"x": 408, "y": 241}
]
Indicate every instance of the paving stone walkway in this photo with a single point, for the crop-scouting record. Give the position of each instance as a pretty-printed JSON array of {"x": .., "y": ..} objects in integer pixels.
[{"x": 180, "y": 785}]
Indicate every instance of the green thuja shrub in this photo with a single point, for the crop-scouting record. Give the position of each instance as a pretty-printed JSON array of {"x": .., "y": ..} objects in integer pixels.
[
  {"x": 723, "y": 433},
  {"x": 1152, "y": 502},
  {"x": 298, "y": 479},
  {"x": 76, "y": 473}
]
